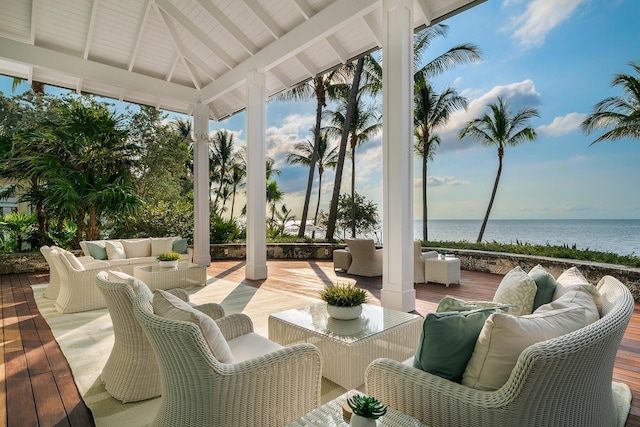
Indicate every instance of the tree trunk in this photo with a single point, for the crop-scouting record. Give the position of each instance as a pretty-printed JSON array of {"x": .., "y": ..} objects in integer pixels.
[
  {"x": 320, "y": 95},
  {"x": 493, "y": 194},
  {"x": 425, "y": 228},
  {"x": 333, "y": 212},
  {"x": 315, "y": 217},
  {"x": 353, "y": 190}
]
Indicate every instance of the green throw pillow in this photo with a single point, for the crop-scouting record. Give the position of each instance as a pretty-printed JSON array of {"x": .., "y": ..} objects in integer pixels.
[
  {"x": 455, "y": 304},
  {"x": 97, "y": 251},
  {"x": 448, "y": 340},
  {"x": 545, "y": 283},
  {"x": 180, "y": 246}
]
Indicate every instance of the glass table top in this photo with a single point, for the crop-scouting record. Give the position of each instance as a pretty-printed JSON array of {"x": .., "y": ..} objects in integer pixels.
[
  {"x": 154, "y": 268},
  {"x": 373, "y": 320}
]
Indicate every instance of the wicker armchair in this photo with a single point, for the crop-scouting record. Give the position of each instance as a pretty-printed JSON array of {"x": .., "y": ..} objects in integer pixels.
[
  {"x": 418, "y": 261},
  {"x": 51, "y": 292},
  {"x": 131, "y": 372},
  {"x": 78, "y": 290},
  {"x": 269, "y": 389},
  {"x": 565, "y": 381},
  {"x": 366, "y": 260}
]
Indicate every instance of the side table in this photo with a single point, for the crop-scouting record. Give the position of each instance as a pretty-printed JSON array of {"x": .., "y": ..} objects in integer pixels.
[
  {"x": 445, "y": 271},
  {"x": 185, "y": 275}
]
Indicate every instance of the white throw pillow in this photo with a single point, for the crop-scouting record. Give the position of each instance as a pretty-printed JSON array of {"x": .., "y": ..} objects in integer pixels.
[
  {"x": 161, "y": 245},
  {"x": 115, "y": 250},
  {"x": 75, "y": 263},
  {"x": 171, "y": 307},
  {"x": 518, "y": 290},
  {"x": 137, "y": 248},
  {"x": 572, "y": 278},
  {"x": 505, "y": 336}
]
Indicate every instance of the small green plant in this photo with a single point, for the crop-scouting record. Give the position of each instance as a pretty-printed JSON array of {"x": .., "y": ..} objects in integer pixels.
[
  {"x": 169, "y": 256},
  {"x": 366, "y": 406},
  {"x": 344, "y": 294}
]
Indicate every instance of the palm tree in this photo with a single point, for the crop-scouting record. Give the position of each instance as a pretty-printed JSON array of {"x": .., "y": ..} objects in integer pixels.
[
  {"x": 274, "y": 195},
  {"x": 500, "y": 130},
  {"x": 431, "y": 111},
  {"x": 367, "y": 121},
  {"x": 236, "y": 180},
  {"x": 222, "y": 156},
  {"x": 620, "y": 113},
  {"x": 325, "y": 159}
]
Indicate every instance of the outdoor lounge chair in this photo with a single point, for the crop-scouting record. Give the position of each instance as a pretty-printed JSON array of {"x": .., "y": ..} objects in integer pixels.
[
  {"x": 51, "y": 292},
  {"x": 131, "y": 372},
  {"x": 366, "y": 260},
  {"x": 418, "y": 261},
  {"x": 264, "y": 385}
]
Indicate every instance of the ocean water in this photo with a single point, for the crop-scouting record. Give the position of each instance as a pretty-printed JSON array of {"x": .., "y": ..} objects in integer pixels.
[{"x": 618, "y": 236}]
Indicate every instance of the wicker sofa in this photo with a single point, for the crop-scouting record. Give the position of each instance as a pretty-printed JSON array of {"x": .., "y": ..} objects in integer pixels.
[
  {"x": 564, "y": 381},
  {"x": 142, "y": 251}
]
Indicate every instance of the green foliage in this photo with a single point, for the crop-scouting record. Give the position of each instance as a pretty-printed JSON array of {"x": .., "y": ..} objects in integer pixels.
[
  {"x": 224, "y": 230},
  {"x": 564, "y": 251},
  {"x": 19, "y": 224},
  {"x": 168, "y": 256},
  {"x": 8, "y": 243},
  {"x": 344, "y": 294},
  {"x": 366, "y": 213},
  {"x": 162, "y": 219},
  {"x": 366, "y": 406}
]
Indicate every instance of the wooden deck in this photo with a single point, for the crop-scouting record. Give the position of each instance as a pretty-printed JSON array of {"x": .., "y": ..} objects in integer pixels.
[{"x": 37, "y": 387}]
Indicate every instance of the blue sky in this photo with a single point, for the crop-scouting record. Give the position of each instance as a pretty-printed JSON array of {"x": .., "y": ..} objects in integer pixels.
[{"x": 558, "y": 56}]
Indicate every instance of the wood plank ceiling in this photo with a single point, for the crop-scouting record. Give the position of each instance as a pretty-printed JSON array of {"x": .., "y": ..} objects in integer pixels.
[{"x": 173, "y": 53}]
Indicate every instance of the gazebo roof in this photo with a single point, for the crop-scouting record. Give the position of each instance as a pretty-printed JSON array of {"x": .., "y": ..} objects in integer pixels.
[{"x": 173, "y": 53}]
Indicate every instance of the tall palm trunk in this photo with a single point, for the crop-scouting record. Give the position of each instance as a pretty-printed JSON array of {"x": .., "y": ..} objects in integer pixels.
[
  {"x": 353, "y": 186},
  {"x": 315, "y": 217},
  {"x": 320, "y": 96},
  {"x": 425, "y": 227},
  {"x": 351, "y": 106},
  {"x": 493, "y": 194}
]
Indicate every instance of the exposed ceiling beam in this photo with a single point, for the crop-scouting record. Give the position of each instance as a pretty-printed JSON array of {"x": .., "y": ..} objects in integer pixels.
[
  {"x": 426, "y": 11},
  {"x": 335, "y": 45},
  {"x": 185, "y": 22},
  {"x": 304, "y": 8},
  {"x": 90, "y": 27},
  {"x": 72, "y": 65},
  {"x": 264, "y": 17},
  {"x": 376, "y": 31},
  {"x": 229, "y": 26},
  {"x": 139, "y": 33},
  {"x": 306, "y": 64},
  {"x": 280, "y": 76},
  {"x": 337, "y": 15},
  {"x": 34, "y": 21}
]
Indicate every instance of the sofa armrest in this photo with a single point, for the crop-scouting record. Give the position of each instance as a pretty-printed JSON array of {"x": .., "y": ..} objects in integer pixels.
[
  {"x": 97, "y": 264},
  {"x": 234, "y": 325},
  {"x": 430, "y": 398},
  {"x": 211, "y": 309}
]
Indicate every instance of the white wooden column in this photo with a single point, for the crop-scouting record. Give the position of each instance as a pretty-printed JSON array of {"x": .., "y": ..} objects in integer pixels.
[
  {"x": 256, "y": 267},
  {"x": 397, "y": 159},
  {"x": 201, "y": 194}
]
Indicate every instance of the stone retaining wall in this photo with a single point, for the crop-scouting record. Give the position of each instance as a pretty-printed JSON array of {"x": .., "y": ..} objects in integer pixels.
[{"x": 489, "y": 262}]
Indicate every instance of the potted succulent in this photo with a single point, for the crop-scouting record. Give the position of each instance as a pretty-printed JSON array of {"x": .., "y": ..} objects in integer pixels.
[
  {"x": 366, "y": 410},
  {"x": 168, "y": 259},
  {"x": 344, "y": 300}
]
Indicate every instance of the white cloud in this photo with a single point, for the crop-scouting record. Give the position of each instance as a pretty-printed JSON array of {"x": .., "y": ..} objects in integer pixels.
[
  {"x": 445, "y": 181},
  {"x": 541, "y": 16},
  {"x": 562, "y": 125},
  {"x": 280, "y": 140}
]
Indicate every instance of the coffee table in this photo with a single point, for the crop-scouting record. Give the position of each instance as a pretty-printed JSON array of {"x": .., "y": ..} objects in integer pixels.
[
  {"x": 185, "y": 275},
  {"x": 348, "y": 346},
  {"x": 330, "y": 414}
]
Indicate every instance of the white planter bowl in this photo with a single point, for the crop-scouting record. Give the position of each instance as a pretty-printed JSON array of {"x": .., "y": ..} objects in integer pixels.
[
  {"x": 168, "y": 264},
  {"x": 344, "y": 313}
]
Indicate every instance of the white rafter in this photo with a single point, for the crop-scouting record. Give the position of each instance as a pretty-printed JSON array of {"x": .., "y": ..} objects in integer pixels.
[
  {"x": 425, "y": 10},
  {"x": 172, "y": 68},
  {"x": 334, "y": 44},
  {"x": 306, "y": 64},
  {"x": 180, "y": 18},
  {"x": 75, "y": 66},
  {"x": 139, "y": 33},
  {"x": 335, "y": 16},
  {"x": 34, "y": 19},
  {"x": 304, "y": 8},
  {"x": 90, "y": 27},
  {"x": 229, "y": 26},
  {"x": 376, "y": 31},
  {"x": 264, "y": 17},
  {"x": 280, "y": 76}
]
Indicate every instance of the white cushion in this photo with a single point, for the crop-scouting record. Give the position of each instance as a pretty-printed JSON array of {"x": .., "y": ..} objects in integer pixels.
[
  {"x": 505, "y": 336},
  {"x": 251, "y": 345},
  {"x": 136, "y": 284},
  {"x": 75, "y": 263},
  {"x": 116, "y": 262},
  {"x": 115, "y": 250},
  {"x": 135, "y": 248},
  {"x": 518, "y": 290},
  {"x": 171, "y": 307},
  {"x": 161, "y": 245},
  {"x": 571, "y": 278}
]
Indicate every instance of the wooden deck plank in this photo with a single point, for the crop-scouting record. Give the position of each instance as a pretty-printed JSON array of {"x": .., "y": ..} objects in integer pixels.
[{"x": 36, "y": 381}]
